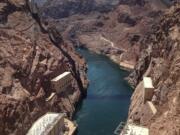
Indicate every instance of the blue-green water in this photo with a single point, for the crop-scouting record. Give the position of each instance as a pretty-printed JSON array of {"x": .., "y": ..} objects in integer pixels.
[{"x": 108, "y": 97}]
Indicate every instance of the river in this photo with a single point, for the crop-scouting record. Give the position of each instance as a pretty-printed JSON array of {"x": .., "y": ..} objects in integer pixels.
[{"x": 108, "y": 97}]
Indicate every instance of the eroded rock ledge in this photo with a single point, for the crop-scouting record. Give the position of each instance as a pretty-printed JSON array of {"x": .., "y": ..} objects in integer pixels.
[
  {"x": 117, "y": 33},
  {"x": 28, "y": 61},
  {"x": 160, "y": 60}
]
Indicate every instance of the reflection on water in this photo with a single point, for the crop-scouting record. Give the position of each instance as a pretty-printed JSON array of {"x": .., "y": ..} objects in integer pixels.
[{"x": 108, "y": 97}]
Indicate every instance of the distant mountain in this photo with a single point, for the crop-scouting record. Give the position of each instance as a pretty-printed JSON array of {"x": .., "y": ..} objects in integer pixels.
[{"x": 62, "y": 8}]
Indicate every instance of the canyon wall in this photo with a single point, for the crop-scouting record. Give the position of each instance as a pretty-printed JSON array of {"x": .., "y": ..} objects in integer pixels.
[
  {"x": 29, "y": 58},
  {"x": 33, "y": 51},
  {"x": 112, "y": 28},
  {"x": 134, "y": 34},
  {"x": 160, "y": 60}
]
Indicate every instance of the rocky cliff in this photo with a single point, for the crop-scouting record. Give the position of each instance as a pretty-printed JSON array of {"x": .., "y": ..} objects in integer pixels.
[
  {"x": 114, "y": 28},
  {"x": 62, "y": 8},
  {"x": 29, "y": 59},
  {"x": 160, "y": 60}
]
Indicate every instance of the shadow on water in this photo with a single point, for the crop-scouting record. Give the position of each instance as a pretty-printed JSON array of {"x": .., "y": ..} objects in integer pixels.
[{"x": 108, "y": 97}]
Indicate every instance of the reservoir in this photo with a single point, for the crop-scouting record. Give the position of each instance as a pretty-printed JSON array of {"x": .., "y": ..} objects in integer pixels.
[{"x": 108, "y": 97}]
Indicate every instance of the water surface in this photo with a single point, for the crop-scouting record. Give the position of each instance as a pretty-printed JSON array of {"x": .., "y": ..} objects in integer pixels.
[{"x": 108, "y": 97}]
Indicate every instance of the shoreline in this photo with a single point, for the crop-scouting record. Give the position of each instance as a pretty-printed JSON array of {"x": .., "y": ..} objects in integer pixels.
[
  {"x": 124, "y": 65},
  {"x": 91, "y": 95}
]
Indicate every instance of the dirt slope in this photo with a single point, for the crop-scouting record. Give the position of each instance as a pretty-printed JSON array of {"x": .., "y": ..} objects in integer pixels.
[
  {"x": 28, "y": 61},
  {"x": 123, "y": 23},
  {"x": 160, "y": 60}
]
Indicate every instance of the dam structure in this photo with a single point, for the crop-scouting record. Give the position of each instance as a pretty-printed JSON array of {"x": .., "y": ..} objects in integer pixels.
[
  {"x": 48, "y": 124},
  {"x": 61, "y": 82},
  {"x": 55, "y": 123},
  {"x": 52, "y": 124},
  {"x": 131, "y": 129},
  {"x": 147, "y": 89}
]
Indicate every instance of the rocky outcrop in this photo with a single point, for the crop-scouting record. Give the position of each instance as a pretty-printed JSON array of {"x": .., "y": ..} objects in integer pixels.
[
  {"x": 29, "y": 59},
  {"x": 159, "y": 60},
  {"x": 87, "y": 24},
  {"x": 62, "y": 8}
]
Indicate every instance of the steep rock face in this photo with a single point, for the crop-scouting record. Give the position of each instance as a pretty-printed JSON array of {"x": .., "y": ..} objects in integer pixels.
[
  {"x": 28, "y": 62},
  {"x": 116, "y": 33},
  {"x": 161, "y": 62},
  {"x": 133, "y": 2},
  {"x": 63, "y": 8}
]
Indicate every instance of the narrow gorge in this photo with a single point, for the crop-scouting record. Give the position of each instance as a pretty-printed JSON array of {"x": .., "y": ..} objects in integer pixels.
[
  {"x": 108, "y": 97},
  {"x": 123, "y": 57},
  {"x": 29, "y": 59}
]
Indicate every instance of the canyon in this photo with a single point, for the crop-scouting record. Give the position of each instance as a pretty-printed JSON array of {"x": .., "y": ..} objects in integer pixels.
[
  {"x": 141, "y": 36},
  {"x": 160, "y": 61},
  {"x": 125, "y": 24},
  {"x": 38, "y": 43},
  {"x": 28, "y": 62}
]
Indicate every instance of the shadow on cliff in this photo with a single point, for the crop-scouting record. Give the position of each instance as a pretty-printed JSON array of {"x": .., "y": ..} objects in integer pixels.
[
  {"x": 6, "y": 11},
  {"x": 74, "y": 70},
  {"x": 57, "y": 40}
]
